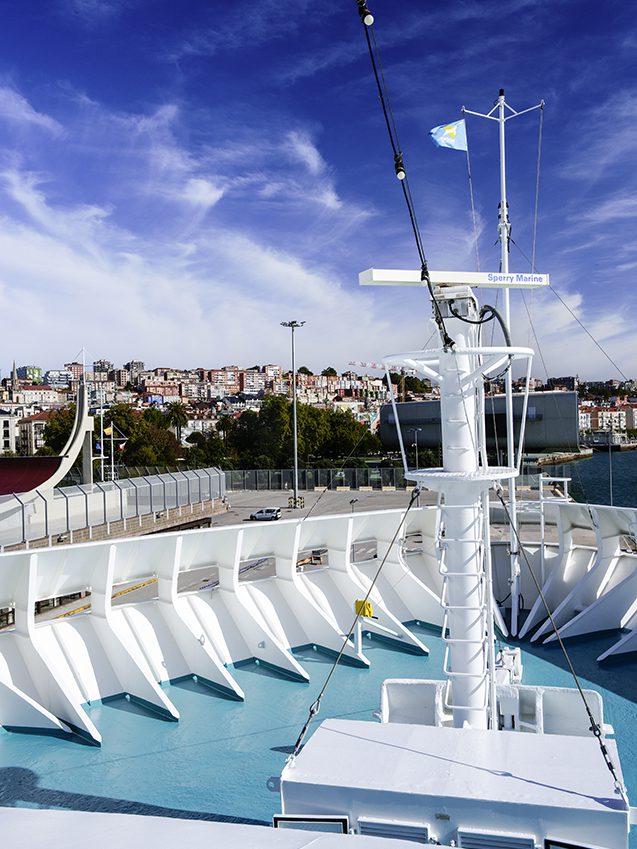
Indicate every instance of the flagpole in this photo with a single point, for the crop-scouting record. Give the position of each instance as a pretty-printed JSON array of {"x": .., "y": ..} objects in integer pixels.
[{"x": 112, "y": 453}]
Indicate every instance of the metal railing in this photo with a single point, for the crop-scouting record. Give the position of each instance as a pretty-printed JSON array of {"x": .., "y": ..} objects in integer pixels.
[
  {"x": 310, "y": 479},
  {"x": 238, "y": 480},
  {"x": 61, "y": 512}
]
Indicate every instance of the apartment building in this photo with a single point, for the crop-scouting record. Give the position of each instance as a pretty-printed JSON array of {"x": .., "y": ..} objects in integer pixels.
[
  {"x": 31, "y": 429},
  {"x": 9, "y": 432}
]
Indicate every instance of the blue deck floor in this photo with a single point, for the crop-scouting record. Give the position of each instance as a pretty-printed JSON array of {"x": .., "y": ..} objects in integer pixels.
[{"x": 223, "y": 757}]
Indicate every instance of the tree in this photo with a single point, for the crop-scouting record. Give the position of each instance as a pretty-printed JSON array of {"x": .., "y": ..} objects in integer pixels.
[
  {"x": 305, "y": 370},
  {"x": 330, "y": 371},
  {"x": 150, "y": 446},
  {"x": 124, "y": 417},
  {"x": 207, "y": 449},
  {"x": 225, "y": 425},
  {"x": 412, "y": 383},
  {"x": 265, "y": 440},
  {"x": 177, "y": 416},
  {"x": 348, "y": 437},
  {"x": 58, "y": 429},
  {"x": 154, "y": 417}
]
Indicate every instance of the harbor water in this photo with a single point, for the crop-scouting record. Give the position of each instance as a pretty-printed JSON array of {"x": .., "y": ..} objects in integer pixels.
[{"x": 591, "y": 478}]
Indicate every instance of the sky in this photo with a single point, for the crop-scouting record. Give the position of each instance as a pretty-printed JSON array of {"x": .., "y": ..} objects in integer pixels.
[{"x": 177, "y": 178}]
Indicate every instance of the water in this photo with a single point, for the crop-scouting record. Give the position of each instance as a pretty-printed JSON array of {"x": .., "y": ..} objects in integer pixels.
[
  {"x": 223, "y": 758},
  {"x": 591, "y": 478}
]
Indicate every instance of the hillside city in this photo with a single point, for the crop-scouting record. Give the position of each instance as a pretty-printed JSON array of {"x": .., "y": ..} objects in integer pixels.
[{"x": 29, "y": 397}]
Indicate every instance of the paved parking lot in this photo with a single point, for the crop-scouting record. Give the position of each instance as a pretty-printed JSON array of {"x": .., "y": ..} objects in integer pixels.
[{"x": 316, "y": 503}]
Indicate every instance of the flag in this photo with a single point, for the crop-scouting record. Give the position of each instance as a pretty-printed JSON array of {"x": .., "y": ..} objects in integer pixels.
[
  {"x": 98, "y": 446},
  {"x": 450, "y": 135},
  {"x": 108, "y": 431},
  {"x": 121, "y": 447}
]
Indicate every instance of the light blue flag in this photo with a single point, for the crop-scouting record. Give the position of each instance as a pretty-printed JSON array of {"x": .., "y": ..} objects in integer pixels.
[{"x": 450, "y": 135}]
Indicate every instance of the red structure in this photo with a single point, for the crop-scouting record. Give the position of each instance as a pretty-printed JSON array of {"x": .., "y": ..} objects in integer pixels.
[{"x": 22, "y": 474}]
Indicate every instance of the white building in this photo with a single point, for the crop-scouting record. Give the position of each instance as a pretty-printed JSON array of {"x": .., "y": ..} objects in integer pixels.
[
  {"x": 9, "y": 432},
  {"x": 584, "y": 420},
  {"x": 38, "y": 395},
  {"x": 58, "y": 378},
  {"x": 608, "y": 418},
  {"x": 32, "y": 433}
]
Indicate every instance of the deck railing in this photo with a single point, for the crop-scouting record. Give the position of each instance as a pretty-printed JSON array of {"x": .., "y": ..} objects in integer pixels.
[{"x": 64, "y": 511}]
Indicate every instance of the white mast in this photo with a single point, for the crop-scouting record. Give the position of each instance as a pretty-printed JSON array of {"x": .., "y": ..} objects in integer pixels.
[
  {"x": 460, "y": 367},
  {"x": 463, "y": 482},
  {"x": 504, "y": 230}
]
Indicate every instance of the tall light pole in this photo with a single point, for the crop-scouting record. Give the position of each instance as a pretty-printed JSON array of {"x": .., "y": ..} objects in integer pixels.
[
  {"x": 293, "y": 325},
  {"x": 416, "y": 431},
  {"x": 610, "y": 460}
]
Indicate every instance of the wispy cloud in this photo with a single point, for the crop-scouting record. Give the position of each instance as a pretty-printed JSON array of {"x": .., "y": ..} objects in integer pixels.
[
  {"x": 243, "y": 26},
  {"x": 617, "y": 208},
  {"x": 604, "y": 135},
  {"x": 16, "y": 109},
  {"x": 565, "y": 346},
  {"x": 74, "y": 225},
  {"x": 86, "y": 267},
  {"x": 92, "y": 13},
  {"x": 302, "y": 148},
  {"x": 190, "y": 205}
]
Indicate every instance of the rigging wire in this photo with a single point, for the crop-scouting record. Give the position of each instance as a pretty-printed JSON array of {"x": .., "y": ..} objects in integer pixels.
[
  {"x": 473, "y": 209},
  {"x": 578, "y": 320},
  {"x": 339, "y": 469},
  {"x": 557, "y": 407},
  {"x": 588, "y": 333},
  {"x": 537, "y": 184},
  {"x": 399, "y": 166},
  {"x": 595, "y": 728},
  {"x": 316, "y": 704}
]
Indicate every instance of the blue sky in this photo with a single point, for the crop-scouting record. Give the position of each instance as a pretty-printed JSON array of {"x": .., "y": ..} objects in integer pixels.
[{"x": 178, "y": 178}]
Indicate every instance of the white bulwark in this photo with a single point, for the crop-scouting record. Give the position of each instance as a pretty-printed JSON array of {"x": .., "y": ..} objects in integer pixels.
[{"x": 475, "y": 279}]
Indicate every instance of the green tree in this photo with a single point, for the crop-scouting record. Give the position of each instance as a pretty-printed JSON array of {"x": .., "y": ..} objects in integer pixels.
[
  {"x": 151, "y": 446},
  {"x": 207, "y": 449},
  {"x": 412, "y": 383},
  {"x": 330, "y": 371},
  {"x": 265, "y": 440},
  {"x": 305, "y": 370},
  {"x": 57, "y": 430},
  {"x": 275, "y": 430},
  {"x": 348, "y": 437},
  {"x": 177, "y": 416},
  {"x": 124, "y": 417},
  {"x": 154, "y": 417},
  {"x": 225, "y": 426}
]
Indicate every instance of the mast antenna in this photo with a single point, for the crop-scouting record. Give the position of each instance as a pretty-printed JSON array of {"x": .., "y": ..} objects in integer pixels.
[{"x": 502, "y": 112}]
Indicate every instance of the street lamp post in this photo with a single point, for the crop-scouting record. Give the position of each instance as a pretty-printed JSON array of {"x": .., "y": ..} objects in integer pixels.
[
  {"x": 293, "y": 325},
  {"x": 416, "y": 431},
  {"x": 610, "y": 461}
]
